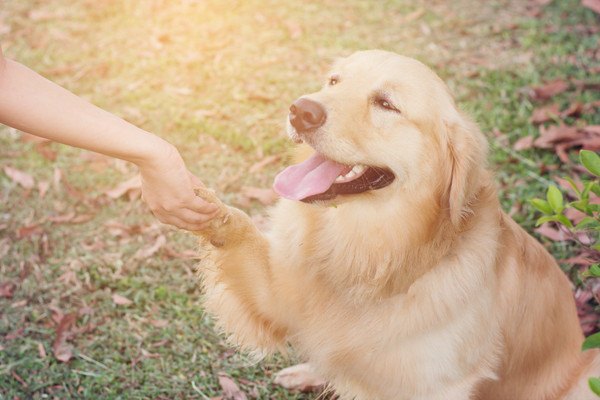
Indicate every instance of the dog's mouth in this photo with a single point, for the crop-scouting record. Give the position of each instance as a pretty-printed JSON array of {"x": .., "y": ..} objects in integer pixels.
[{"x": 320, "y": 178}]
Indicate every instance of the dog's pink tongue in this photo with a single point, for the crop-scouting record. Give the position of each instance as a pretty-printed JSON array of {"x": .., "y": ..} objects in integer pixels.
[{"x": 313, "y": 176}]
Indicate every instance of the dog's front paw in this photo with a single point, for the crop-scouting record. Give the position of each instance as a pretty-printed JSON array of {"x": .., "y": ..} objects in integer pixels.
[{"x": 215, "y": 231}]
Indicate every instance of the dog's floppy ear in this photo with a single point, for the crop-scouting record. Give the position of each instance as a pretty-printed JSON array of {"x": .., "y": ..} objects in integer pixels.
[{"x": 467, "y": 153}]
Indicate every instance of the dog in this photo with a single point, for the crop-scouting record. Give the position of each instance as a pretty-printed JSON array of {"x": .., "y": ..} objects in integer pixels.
[{"x": 390, "y": 266}]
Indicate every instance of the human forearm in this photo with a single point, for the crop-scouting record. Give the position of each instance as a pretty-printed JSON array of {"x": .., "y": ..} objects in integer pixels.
[{"x": 35, "y": 105}]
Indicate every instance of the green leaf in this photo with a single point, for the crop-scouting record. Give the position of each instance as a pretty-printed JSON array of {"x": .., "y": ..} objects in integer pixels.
[
  {"x": 541, "y": 205},
  {"x": 596, "y": 188},
  {"x": 555, "y": 199},
  {"x": 591, "y": 342},
  {"x": 564, "y": 220},
  {"x": 547, "y": 218},
  {"x": 587, "y": 221},
  {"x": 595, "y": 270},
  {"x": 591, "y": 161},
  {"x": 581, "y": 205},
  {"x": 595, "y": 385},
  {"x": 573, "y": 185},
  {"x": 585, "y": 194},
  {"x": 596, "y": 246}
]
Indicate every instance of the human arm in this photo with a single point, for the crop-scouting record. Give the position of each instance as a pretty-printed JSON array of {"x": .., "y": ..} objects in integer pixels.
[{"x": 35, "y": 105}]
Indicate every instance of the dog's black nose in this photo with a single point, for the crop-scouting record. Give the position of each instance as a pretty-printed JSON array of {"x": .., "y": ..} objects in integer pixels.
[{"x": 306, "y": 115}]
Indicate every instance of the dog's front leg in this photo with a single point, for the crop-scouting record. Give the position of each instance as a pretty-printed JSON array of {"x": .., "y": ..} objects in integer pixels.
[{"x": 237, "y": 278}]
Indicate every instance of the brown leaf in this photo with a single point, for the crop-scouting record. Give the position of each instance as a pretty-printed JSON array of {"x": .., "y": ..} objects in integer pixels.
[
  {"x": 19, "y": 304},
  {"x": 266, "y": 196},
  {"x": 230, "y": 389},
  {"x": 549, "y": 89},
  {"x": 41, "y": 350},
  {"x": 574, "y": 109},
  {"x": 578, "y": 260},
  {"x": 19, "y": 379},
  {"x": 593, "y": 5},
  {"x": 43, "y": 187},
  {"x": 592, "y": 129},
  {"x": 299, "y": 377},
  {"x": 121, "y": 300},
  {"x": 185, "y": 254},
  {"x": 20, "y": 177},
  {"x": 62, "y": 350},
  {"x": 159, "y": 323},
  {"x": 133, "y": 184},
  {"x": 15, "y": 334},
  {"x": 413, "y": 16},
  {"x": 555, "y": 134},
  {"x": 7, "y": 290},
  {"x": 149, "y": 251},
  {"x": 29, "y": 230},
  {"x": 523, "y": 143},
  {"x": 46, "y": 151},
  {"x": 574, "y": 215},
  {"x": 551, "y": 233},
  {"x": 544, "y": 114}
]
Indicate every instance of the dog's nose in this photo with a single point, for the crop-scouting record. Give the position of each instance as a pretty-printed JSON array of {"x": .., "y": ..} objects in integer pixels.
[{"x": 306, "y": 115}]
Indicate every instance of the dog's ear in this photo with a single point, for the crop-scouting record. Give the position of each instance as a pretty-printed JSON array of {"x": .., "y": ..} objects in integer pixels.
[{"x": 467, "y": 154}]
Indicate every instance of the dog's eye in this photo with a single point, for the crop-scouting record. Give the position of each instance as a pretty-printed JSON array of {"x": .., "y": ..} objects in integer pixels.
[
  {"x": 333, "y": 80},
  {"x": 385, "y": 104}
]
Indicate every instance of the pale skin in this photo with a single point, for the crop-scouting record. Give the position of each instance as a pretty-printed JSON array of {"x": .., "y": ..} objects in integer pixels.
[{"x": 35, "y": 105}]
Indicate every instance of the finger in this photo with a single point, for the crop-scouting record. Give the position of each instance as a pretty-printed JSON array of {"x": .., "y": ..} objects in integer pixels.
[
  {"x": 195, "y": 218},
  {"x": 183, "y": 223},
  {"x": 202, "y": 206},
  {"x": 196, "y": 182}
]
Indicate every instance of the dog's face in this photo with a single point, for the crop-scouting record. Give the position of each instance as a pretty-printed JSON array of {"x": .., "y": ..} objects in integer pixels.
[{"x": 378, "y": 121}]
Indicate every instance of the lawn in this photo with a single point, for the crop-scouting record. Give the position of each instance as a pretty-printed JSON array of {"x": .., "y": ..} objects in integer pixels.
[{"x": 215, "y": 78}]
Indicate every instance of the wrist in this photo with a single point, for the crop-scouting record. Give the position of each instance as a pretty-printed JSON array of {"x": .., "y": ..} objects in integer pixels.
[{"x": 158, "y": 154}]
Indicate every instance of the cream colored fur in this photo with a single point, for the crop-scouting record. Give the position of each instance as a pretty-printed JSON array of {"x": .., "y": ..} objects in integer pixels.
[{"x": 422, "y": 290}]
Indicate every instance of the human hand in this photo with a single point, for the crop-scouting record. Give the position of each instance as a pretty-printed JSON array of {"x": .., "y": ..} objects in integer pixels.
[{"x": 168, "y": 189}]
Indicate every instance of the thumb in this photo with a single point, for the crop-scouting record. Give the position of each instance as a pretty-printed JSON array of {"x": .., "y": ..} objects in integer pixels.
[{"x": 196, "y": 182}]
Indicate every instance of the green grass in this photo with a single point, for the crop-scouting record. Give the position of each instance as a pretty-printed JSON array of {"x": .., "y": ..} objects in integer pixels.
[{"x": 215, "y": 78}]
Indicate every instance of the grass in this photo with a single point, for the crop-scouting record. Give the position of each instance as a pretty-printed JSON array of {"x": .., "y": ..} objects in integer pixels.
[{"x": 215, "y": 79}]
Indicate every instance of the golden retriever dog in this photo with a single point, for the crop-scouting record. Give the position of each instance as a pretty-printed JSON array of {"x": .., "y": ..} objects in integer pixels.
[{"x": 390, "y": 266}]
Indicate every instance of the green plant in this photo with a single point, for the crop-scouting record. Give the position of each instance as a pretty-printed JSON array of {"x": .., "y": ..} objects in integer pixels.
[{"x": 554, "y": 208}]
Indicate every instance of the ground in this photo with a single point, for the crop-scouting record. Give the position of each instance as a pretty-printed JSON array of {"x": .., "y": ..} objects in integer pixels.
[{"x": 90, "y": 277}]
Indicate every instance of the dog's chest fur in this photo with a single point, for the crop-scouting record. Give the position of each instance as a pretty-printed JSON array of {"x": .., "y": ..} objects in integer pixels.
[{"x": 354, "y": 333}]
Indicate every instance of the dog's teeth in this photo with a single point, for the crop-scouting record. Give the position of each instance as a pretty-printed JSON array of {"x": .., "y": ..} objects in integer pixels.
[{"x": 357, "y": 169}]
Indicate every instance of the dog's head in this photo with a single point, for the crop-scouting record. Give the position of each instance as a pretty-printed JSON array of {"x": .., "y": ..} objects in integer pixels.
[{"x": 382, "y": 123}]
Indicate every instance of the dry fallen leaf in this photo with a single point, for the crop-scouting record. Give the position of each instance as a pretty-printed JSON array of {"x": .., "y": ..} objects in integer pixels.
[
  {"x": 549, "y": 89},
  {"x": 20, "y": 177},
  {"x": 554, "y": 134},
  {"x": 545, "y": 114},
  {"x": 41, "y": 350},
  {"x": 523, "y": 143},
  {"x": 7, "y": 290},
  {"x": 551, "y": 233},
  {"x": 62, "y": 350},
  {"x": 149, "y": 251},
  {"x": 133, "y": 184},
  {"x": 159, "y": 323},
  {"x": 593, "y": 5},
  {"x": 121, "y": 300},
  {"x": 29, "y": 230},
  {"x": 231, "y": 391},
  {"x": 43, "y": 187}
]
